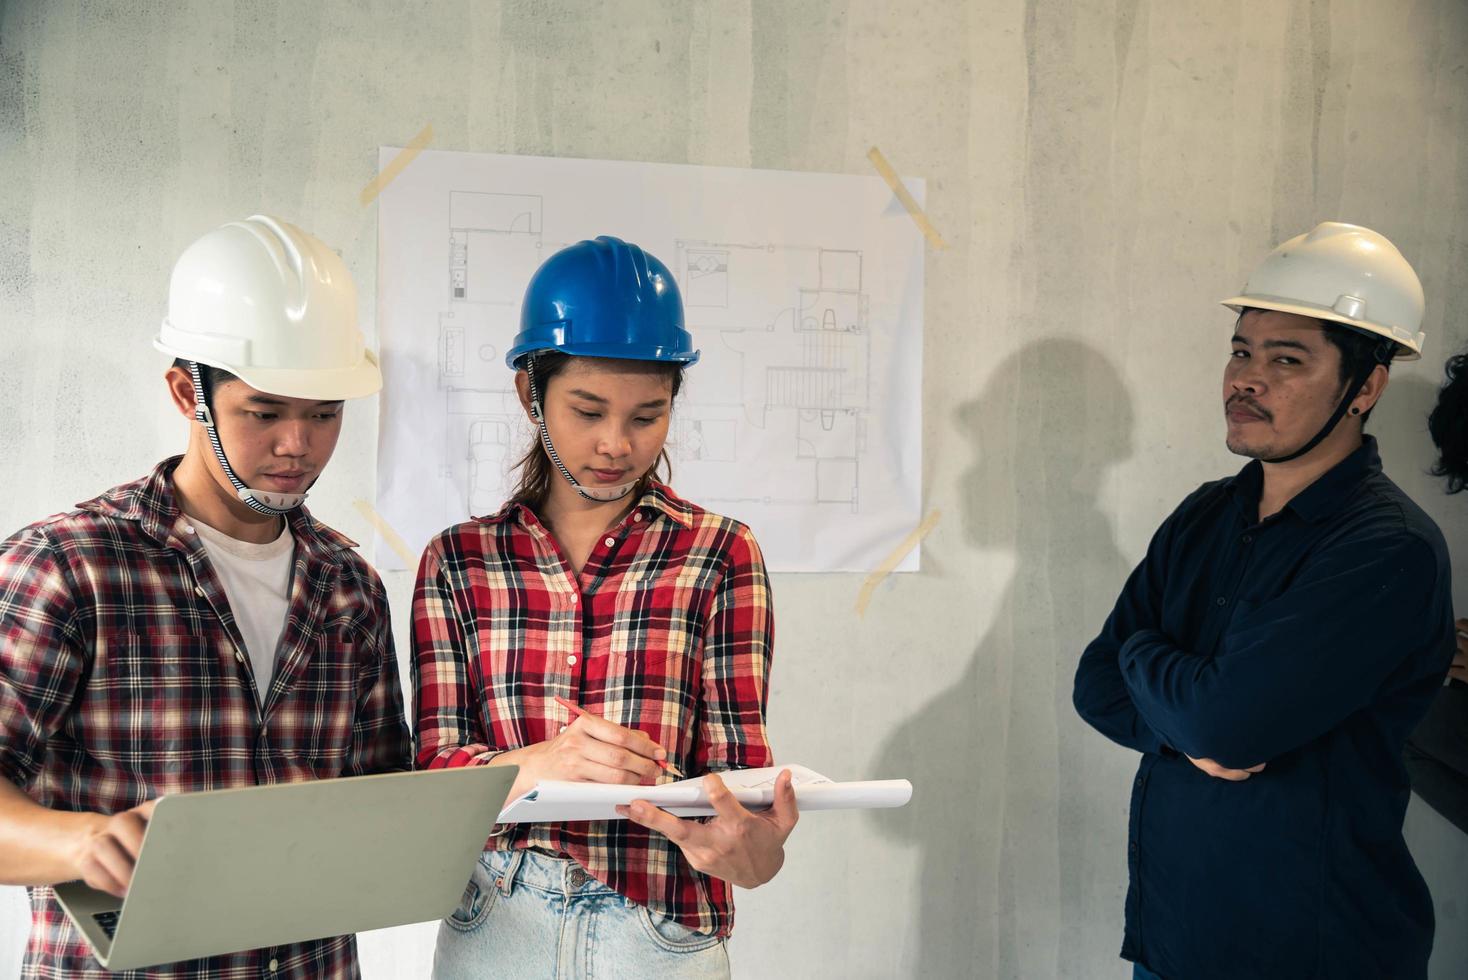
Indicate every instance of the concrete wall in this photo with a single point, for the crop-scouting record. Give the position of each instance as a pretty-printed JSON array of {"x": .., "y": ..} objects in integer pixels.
[{"x": 1105, "y": 172}]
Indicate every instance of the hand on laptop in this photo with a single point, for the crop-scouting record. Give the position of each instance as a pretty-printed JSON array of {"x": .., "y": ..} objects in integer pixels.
[{"x": 109, "y": 849}]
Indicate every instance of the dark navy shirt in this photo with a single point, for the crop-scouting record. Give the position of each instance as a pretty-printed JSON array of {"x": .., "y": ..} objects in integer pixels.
[{"x": 1312, "y": 641}]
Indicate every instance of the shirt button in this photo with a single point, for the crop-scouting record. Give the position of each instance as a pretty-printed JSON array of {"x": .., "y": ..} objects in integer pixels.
[
  {"x": 1248, "y": 538},
  {"x": 274, "y": 965},
  {"x": 574, "y": 597},
  {"x": 563, "y": 728},
  {"x": 571, "y": 660},
  {"x": 1222, "y": 601},
  {"x": 199, "y": 591},
  {"x": 636, "y": 518},
  {"x": 610, "y": 541},
  {"x": 188, "y": 529},
  {"x": 239, "y": 655}
]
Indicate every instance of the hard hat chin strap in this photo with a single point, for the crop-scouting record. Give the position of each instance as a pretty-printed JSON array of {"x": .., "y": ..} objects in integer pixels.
[
  {"x": 1382, "y": 354},
  {"x": 599, "y": 494},
  {"x": 260, "y": 501}
]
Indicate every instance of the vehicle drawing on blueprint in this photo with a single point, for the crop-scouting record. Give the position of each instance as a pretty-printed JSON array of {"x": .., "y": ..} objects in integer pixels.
[
  {"x": 785, "y": 371},
  {"x": 794, "y": 320}
]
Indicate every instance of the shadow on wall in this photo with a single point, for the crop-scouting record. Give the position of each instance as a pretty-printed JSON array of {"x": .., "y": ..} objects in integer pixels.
[{"x": 1011, "y": 788}]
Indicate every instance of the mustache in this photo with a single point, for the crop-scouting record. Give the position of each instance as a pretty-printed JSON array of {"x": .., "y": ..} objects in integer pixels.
[{"x": 1250, "y": 404}]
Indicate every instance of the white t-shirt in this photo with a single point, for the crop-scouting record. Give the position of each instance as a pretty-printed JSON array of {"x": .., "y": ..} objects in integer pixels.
[{"x": 257, "y": 582}]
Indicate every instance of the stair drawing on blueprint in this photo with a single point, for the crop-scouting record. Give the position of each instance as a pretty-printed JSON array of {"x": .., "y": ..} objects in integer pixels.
[{"x": 794, "y": 319}]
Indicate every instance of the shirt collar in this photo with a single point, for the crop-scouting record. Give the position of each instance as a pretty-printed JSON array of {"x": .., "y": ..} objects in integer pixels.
[
  {"x": 657, "y": 499},
  {"x": 1326, "y": 495},
  {"x": 660, "y": 499},
  {"x": 150, "y": 503}
]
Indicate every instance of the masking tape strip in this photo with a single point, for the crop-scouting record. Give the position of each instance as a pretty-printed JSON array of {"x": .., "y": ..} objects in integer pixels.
[
  {"x": 397, "y": 165},
  {"x": 393, "y": 538},
  {"x": 913, "y": 539},
  {"x": 908, "y": 201}
]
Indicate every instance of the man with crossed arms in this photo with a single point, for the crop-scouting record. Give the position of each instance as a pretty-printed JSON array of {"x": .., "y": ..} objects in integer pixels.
[{"x": 1272, "y": 652}]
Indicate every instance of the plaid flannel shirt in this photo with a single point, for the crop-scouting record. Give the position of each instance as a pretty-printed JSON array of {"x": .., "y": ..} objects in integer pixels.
[
  {"x": 123, "y": 678},
  {"x": 668, "y": 630}
]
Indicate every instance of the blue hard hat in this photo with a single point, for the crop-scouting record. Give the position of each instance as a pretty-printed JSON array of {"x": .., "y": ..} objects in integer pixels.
[{"x": 603, "y": 298}]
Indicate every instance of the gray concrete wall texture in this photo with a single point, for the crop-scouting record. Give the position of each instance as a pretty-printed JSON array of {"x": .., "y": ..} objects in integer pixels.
[{"x": 1105, "y": 171}]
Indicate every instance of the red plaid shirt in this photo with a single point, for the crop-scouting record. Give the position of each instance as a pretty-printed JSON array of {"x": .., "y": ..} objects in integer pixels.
[
  {"x": 668, "y": 630},
  {"x": 121, "y": 680}
]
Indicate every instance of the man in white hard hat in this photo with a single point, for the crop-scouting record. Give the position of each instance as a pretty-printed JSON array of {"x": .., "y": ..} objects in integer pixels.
[
  {"x": 197, "y": 629},
  {"x": 1269, "y": 656}
]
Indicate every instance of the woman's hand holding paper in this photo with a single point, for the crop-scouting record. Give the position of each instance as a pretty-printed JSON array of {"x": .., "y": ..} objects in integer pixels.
[{"x": 743, "y": 847}]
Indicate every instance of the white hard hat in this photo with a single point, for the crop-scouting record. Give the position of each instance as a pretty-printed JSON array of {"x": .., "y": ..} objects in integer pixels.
[
  {"x": 273, "y": 306},
  {"x": 1346, "y": 274}
]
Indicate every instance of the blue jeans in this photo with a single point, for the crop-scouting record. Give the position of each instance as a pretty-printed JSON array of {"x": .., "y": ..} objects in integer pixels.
[{"x": 527, "y": 914}]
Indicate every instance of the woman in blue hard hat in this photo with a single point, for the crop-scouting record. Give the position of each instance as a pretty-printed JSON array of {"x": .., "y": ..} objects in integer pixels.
[{"x": 597, "y": 586}]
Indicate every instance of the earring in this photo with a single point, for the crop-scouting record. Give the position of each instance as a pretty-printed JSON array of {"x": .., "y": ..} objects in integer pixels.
[{"x": 1355, "y": 410}]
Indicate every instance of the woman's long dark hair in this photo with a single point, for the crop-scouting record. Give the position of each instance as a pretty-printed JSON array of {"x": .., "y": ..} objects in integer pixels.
[
  {"x": 1448, "y": 425},
  {"x": 537, "y": 471}
]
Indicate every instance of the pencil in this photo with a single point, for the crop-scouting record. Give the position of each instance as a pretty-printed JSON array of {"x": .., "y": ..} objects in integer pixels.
[{"x": 577, "y": 711}]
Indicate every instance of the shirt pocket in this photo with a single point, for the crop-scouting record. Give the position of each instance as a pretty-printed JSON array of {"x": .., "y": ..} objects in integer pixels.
[
  {"x": 659, "y": 621},
  {"x": 655, "y": 635},
  {"x": 1244, "y": 616},
  {"x": 312, "y": 722},
  {"x": 160, "y": 704}
]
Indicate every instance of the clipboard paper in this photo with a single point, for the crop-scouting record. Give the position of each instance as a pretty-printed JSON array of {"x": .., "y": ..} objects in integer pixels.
[{"x": 553, "y": 801}]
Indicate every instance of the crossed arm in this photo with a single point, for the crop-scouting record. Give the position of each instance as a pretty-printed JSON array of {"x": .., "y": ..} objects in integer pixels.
[{"x": 1285, "y": 672}]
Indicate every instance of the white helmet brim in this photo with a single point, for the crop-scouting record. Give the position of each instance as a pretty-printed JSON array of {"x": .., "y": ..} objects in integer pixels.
[
  {"x": 1409, "y": 345},
  {"x": 316, "y": 384}
]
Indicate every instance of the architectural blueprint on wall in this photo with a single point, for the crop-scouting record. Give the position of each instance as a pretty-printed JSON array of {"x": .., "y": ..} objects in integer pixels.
[{"x": 803, "y": 291}]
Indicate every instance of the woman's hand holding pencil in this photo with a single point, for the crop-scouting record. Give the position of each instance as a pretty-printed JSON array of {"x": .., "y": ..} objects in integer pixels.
[
  {"x": 660, "y": 757},
  {"x": 588, "y": 749}
]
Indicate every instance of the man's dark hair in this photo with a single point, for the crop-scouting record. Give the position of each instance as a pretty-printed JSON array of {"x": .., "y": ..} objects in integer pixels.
[
  {"x": 213, "y": 376},
  {"x": 1358, "y": 350},
  {"x": 1448, "y": 425}
]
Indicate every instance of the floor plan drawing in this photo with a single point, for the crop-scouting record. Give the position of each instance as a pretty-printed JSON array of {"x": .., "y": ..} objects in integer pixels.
[
  {"x": 494, "y": 243},
  {"x": 792, "y": 420}
]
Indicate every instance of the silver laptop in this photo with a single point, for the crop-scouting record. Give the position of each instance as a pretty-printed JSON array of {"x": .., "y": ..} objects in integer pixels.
[{"x": 238, "y": 869}]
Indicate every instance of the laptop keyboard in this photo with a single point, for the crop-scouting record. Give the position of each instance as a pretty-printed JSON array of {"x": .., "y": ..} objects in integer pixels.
[{"x": 108, "y": 922}]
